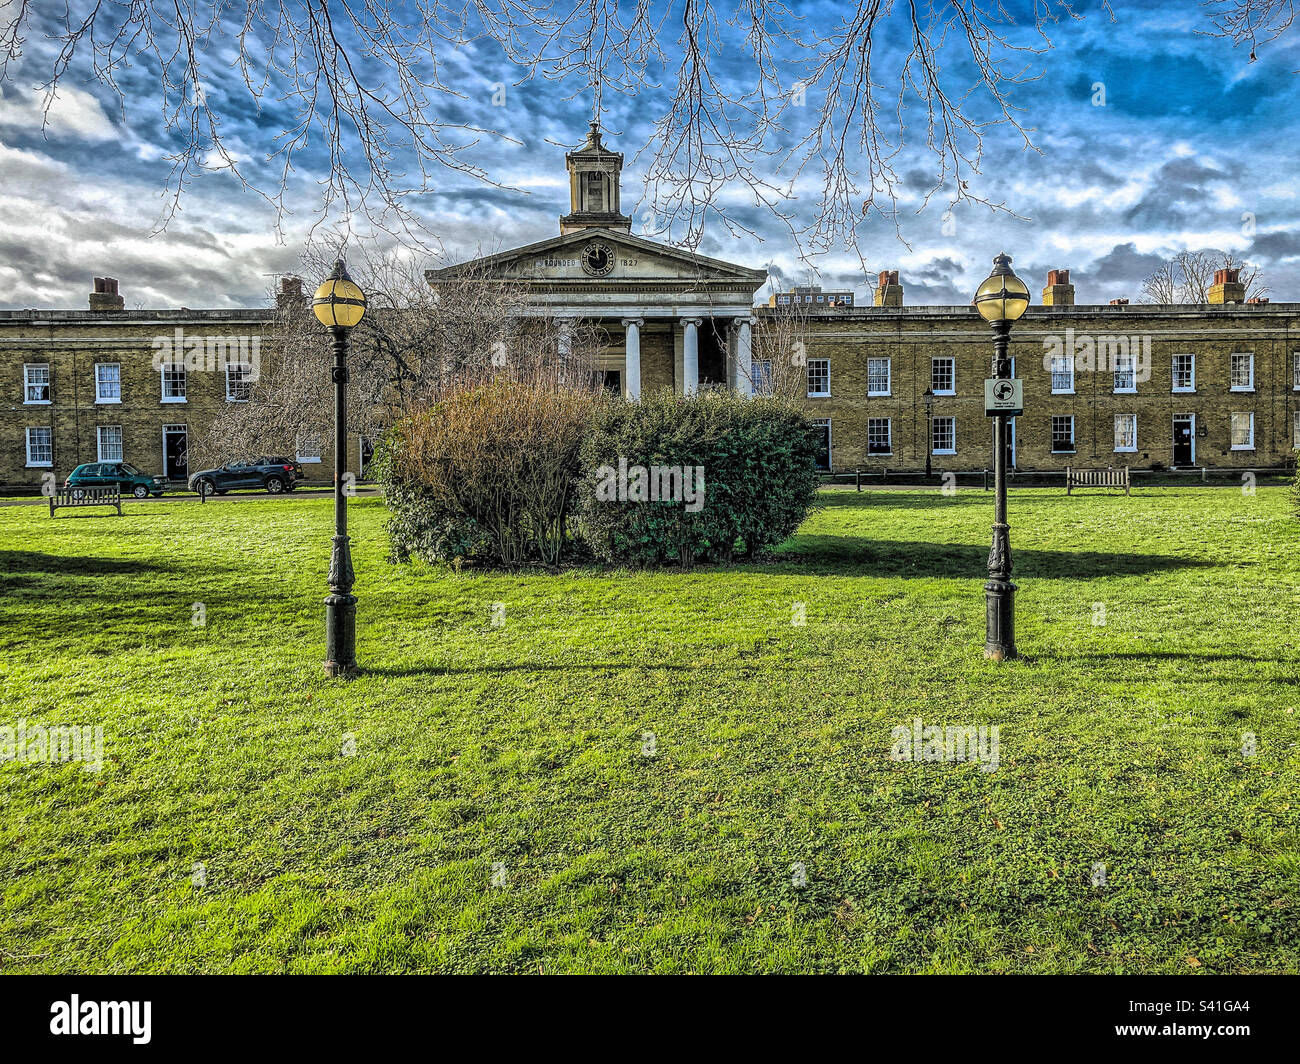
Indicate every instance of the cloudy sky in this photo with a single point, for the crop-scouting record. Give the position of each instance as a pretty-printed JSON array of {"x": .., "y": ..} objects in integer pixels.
[{"x": 1194, "y": 147}]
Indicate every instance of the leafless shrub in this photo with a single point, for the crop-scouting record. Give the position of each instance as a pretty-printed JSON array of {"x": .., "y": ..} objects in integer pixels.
[
  {"x": 780, "y": 353},
  {"x": 500, "y": 452},
  {"x": 413, "y": 346}
]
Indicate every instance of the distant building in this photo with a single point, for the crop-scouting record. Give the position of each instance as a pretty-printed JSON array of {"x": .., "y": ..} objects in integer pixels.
[{"x": 812, "y": 296}]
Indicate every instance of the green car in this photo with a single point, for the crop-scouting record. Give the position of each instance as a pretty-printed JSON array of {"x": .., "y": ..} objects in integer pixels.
[{"x": 116, "y": 474}]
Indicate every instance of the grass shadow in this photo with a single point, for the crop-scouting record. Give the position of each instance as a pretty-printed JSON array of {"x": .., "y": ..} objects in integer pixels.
[{"x": 852, "y": 555}]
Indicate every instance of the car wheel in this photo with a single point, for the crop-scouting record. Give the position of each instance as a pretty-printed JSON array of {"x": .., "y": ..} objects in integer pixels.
[
  {"x": 78, "y": 493},
  {"x": 274, "y": 485},
  {"x": 206, "y": 487},
  {"x": 140, "y": 491}
]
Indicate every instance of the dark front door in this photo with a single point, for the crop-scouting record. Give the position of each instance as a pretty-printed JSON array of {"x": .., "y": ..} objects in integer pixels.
[
  {"x": 175, "y": 452},
  {"x": 824, "y": 442},
  {"x": 1182, "y": 441}
]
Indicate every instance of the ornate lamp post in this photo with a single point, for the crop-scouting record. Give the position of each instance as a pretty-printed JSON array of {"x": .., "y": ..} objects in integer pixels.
[
  {"x": 928, "y": 397},
  {"x": 339, "y": 305},
  {"x": 1001, "y": 300}
]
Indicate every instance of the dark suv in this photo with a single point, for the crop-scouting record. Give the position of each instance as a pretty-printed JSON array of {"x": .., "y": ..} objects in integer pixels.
[
  {"x": 121, "y": 475},
  {"x": 266, "y": 471}
]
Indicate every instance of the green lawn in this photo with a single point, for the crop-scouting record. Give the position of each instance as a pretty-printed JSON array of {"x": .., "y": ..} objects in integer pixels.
[{"x": 515, "y": 753}]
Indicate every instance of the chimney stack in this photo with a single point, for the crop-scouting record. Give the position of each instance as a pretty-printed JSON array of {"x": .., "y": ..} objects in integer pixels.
[
  {"x": 105, "y": 296},
  {"x": 888, "y": 293},
  {"x": 290, "y": 293},
  {"x": 1227, "y": 288},
  {"x": 1059, "y": 291},
  {"x": 1119, "y": 302}
]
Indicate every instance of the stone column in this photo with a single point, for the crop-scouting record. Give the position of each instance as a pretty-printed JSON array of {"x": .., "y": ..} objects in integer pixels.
[
  {"x": 691, "y": 355},
  {"x": 632, "y": 363},
  {"x": 745, "y": 356}
]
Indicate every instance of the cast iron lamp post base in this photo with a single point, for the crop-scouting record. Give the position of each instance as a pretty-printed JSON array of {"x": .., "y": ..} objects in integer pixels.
[{"x": 341, "y": 613}]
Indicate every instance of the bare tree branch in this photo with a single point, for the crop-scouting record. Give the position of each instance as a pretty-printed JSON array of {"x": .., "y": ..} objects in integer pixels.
[{"x": 825, "y": 108}]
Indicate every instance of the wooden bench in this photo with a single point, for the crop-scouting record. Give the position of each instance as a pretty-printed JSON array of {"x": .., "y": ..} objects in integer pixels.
[
  {"x": 86, "y": 497},
  {"x": 1096, "y": 478}
]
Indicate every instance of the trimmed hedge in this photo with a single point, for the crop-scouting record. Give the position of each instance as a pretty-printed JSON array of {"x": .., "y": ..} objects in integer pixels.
[{"x": 757, "y": 457}]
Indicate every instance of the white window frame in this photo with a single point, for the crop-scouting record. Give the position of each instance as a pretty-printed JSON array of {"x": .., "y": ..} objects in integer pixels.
[
  {"x": 889, "y": 377},
  {"x": 760, "y": 375},
  {"x": 1295, "y": 371},
  {"x": 31, "y": 464},
  {"x": 301, "y": 456},
  {"x": 1133, "y": 421},
  {"x": 1232, "y": 359},
  {"x": 819, "y": 395},
  {"x": 952, "y": 378},
  {"x": 1295, "y": 430},
  {"x": 1067, "y": 364},
  {"x": 1129, "y": 361},
  {"x": 1051, "y": 425},
  {"x": 934, "y": 424},
  {"x": 1173, "y": 372},
  {"x": 162, "y": 380},
  {"x": 889, "y": 438},
  {"x": 246, "y": 367},
  {"x": 100, "y": 454},
  {"x": 1249, "y": 445},
  {"x": 100, "y": 398},
  {"x": 28, "y": 383}
]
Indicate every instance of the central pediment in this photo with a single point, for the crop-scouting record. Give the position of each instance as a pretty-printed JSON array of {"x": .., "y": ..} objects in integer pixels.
[{"x": 601, "y": 258}]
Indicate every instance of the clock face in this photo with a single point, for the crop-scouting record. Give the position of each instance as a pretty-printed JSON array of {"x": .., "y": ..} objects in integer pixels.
[{"x": 597, "y": 259}]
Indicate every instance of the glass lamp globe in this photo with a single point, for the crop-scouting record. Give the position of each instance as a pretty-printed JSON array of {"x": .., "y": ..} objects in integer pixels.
[
  {"x": 338, "y": 302},
  {"x": 1002, "y": 296}
]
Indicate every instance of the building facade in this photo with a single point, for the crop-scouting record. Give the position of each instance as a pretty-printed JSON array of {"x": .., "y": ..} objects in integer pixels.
[{"x": 1213, "y": 385}]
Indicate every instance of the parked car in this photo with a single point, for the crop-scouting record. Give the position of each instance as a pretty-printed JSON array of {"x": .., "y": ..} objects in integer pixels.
[
  {"x": 273, "y": 473},
  {"x": 122, "y": 475}
]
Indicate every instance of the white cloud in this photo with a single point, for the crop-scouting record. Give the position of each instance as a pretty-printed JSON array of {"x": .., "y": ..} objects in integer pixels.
[{"x": 71, "y": 113}]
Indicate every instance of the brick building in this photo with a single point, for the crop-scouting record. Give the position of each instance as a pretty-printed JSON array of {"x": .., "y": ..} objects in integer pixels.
[
  {"x": 1211, "y": 385},
  {"x": 810, "y": 297},
  {"x": 108, "y": 384}
]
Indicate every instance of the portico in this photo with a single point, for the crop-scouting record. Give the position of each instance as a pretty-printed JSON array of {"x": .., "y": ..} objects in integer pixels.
[{"x": 668, "y": 318}]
